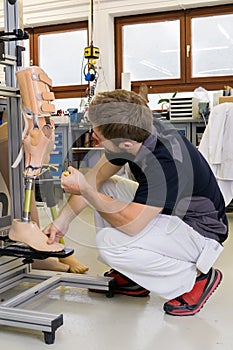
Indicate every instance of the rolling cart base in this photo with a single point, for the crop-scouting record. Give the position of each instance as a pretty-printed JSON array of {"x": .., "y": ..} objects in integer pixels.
[{"x": 13, "y": 272}]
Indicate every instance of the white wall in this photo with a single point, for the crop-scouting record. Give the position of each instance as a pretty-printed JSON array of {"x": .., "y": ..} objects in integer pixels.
[
  {"x": 39, "y": 12},
  {"x": 42, "y": 12}
]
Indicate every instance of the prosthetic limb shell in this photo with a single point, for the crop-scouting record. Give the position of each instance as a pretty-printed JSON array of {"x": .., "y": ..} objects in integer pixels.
[
  {"x": 37, "y": 148},
  {"x": 37, "y": 139},
  {"x": 34, "y": 85},
  {"x": 30, "y": 234}
]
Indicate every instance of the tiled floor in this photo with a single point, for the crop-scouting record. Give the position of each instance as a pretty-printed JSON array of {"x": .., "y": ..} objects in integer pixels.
[{"x": 94, "y": 322}]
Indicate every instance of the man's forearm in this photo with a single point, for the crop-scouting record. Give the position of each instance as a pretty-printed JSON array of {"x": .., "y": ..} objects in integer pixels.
[
  {"x": 76, "y": 203},
  {"x": 73, "y": 207},
  {"x": 129, "y": 218}
]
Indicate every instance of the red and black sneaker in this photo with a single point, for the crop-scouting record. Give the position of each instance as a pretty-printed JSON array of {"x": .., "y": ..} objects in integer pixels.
[
  {"x": 123, "y": 285},
  {"x": 190, "y": 303}
]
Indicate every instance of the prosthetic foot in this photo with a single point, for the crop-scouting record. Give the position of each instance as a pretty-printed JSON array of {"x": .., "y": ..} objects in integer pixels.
[
  {"x": 51, "y": 264},
  {"x": 30, "y": 234},
  {"x": 74, "y": 265}
]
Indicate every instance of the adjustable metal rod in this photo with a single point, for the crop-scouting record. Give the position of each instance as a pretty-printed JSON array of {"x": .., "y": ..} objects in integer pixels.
[{"x": 27, "y": 200}]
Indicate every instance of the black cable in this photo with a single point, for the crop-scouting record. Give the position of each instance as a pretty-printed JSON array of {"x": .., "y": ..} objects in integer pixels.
[{"x": 92, "y": 21}]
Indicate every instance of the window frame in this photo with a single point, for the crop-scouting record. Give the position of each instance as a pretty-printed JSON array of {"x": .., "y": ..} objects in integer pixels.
[
  {"x": 186, "y": 82},
  {"x": 60, "y": 92}
]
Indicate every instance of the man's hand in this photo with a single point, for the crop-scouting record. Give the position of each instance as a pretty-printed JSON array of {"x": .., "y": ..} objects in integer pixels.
[
  {"x": 56, "y": 230},
  {"x": 74, "y": 182}
]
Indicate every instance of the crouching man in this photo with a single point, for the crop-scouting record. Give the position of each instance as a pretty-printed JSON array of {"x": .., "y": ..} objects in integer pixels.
[{"x": 161, "y": 229}]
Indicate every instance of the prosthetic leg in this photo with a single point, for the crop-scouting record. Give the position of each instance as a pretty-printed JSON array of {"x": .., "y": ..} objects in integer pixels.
[{"x": 34, "y": 87}]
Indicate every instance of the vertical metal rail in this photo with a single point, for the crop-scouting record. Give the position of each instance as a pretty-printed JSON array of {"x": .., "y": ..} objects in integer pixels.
[{"x": 11, "y": 11}]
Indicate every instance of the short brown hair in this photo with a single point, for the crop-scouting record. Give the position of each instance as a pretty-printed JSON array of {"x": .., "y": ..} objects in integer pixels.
[{"x": 121, "y": 114}]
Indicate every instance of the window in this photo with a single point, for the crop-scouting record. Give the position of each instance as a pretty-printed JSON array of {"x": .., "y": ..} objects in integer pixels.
[
  {"x": 211, "y": 44},
  {"x": 59, "y": 50},
  {"x": 176, "y": 51},
  {"x": 213, "y": 56},
  {"x": 163, "y": 65}
]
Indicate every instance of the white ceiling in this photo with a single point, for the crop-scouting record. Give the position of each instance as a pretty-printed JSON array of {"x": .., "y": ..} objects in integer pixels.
[{"x": 42, "y": 12}]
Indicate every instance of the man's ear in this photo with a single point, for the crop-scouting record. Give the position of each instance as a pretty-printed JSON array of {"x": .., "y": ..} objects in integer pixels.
[{"x": 127, "y": 145}]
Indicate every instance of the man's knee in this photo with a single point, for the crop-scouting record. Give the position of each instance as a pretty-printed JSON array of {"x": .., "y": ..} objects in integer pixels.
[
  {"x": 109, "y": 242},
  {"x": 107, "y": 187},
  {"x": 102, "y": 238},
  {"x": 103, "y": 244},
  {"x": 119, "y": 188}
]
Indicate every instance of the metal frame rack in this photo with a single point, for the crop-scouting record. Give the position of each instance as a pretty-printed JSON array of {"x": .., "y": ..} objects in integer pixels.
[
  {"x": 15, "y": 258},
  {"x": 12, "y": 273}
]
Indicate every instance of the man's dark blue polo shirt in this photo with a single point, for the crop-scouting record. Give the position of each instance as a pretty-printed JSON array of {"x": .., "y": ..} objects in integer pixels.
[{"x": 172, "y": 174}]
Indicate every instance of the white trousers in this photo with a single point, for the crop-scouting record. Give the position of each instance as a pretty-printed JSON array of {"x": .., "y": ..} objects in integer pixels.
[{"x": 163, "y": 257}]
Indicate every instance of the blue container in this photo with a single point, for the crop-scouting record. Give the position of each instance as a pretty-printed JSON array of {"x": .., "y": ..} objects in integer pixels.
[{"x": 73, "y": 113}]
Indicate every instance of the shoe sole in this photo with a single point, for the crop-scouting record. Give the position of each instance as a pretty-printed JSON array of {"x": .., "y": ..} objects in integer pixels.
[
  {"x": 131, "y": 289},
  {"x": 181, "y": 312},
  {"x": 142, "y": 293}
]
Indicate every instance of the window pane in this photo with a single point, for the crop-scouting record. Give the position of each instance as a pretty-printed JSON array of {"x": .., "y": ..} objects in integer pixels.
[
  {"x": 61, "y": 56},
  {"x": 212, "y": 49},
  {"x": 152, "y": 50}
]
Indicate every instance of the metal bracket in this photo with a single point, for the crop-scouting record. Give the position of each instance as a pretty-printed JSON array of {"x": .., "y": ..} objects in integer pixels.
[{"x": 15, "y": 35}]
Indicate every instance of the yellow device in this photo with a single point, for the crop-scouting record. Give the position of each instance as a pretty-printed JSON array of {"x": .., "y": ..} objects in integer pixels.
[{"x": 91, "y": 52}]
